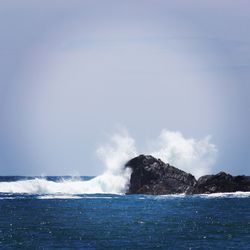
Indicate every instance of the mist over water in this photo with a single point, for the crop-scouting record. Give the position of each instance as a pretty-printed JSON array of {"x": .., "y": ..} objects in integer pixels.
[
  {"x": 195, "y": 156},
  {"x": 191, "y": 155}
]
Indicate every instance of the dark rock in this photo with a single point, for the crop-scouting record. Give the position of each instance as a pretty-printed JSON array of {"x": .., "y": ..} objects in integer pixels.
[
  {"x": 153, "y": 176},
  {"x": 221, "y": 183}
]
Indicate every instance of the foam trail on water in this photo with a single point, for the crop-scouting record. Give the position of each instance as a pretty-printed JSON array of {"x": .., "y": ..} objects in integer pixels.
[
  {"x": 238, "y": 194},
  {"x": 114, "y": 180},
  {"x": 204, "y": 196}
]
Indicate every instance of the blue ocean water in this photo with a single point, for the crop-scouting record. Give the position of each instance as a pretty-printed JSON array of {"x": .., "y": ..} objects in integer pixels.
[{"x": 116, "y": 221}]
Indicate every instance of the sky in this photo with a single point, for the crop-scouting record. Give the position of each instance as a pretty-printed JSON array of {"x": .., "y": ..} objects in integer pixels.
[{"x": 74, "y": 73}]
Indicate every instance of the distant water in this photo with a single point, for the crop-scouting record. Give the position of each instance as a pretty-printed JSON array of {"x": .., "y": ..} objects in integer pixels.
[{"x": 53, "y": 212}]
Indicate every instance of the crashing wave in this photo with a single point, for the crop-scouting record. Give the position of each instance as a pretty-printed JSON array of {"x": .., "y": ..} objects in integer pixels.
[{"x": 105, "y": 183}]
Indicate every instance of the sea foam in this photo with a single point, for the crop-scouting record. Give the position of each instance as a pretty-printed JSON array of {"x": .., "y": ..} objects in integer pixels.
[
  {"x": 105, "y": 183},
  {"x": 114, "y": 179},
  {"x": 195, "y": 156}
]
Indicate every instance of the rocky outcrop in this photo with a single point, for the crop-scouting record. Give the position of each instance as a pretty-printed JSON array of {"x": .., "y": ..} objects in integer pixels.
[
  {"x": 221, "y": 183},
  {"x": 153, "y": 176}
]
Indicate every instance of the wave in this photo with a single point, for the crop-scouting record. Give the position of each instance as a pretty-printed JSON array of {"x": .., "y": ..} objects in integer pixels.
[
  {"x": 206, "y": 196},
  {"x": 48, "y": 197},
  {"x": 226, "y": 195},
  {"x": 114, "y": 180},
  {"x": 105, "y": 183}
]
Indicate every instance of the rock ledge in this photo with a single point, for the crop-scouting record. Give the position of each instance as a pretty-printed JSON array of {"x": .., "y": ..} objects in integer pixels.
[{"x": 153, "y": 176}]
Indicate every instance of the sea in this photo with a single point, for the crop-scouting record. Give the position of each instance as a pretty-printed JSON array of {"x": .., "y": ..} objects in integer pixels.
[{"x": 88, "y": 213}]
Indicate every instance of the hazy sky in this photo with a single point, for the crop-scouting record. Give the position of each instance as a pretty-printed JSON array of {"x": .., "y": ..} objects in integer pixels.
[{"x": 71, "y": 72}]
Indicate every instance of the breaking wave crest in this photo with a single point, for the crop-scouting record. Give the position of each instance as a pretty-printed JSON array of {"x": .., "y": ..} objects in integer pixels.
[
  {"x": 106, "y": 183},
  {"x": 114, "y": 179},
  {"x": 195, "y": 156}
]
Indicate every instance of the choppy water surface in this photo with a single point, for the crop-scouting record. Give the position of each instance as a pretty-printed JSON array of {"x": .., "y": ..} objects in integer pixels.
[{"x": 68, "y": 220}]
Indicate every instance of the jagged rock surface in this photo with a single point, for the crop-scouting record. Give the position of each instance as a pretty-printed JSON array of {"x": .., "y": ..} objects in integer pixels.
[
  {"x": 221, "y": 183},
  {"x": 153, "y": 176}
]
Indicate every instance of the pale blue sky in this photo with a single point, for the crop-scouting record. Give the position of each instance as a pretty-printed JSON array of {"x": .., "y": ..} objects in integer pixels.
[{"x": 70, "y": 71}]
